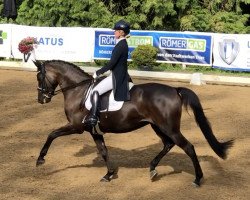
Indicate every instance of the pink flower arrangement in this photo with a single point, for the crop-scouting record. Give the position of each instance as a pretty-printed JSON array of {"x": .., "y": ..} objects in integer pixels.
[{"x": 27, "y": 45}]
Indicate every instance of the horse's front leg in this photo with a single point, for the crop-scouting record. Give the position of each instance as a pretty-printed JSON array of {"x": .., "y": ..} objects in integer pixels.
[
  {"x": 112, "y": 171},
  {"x": 65, "y": 130}
]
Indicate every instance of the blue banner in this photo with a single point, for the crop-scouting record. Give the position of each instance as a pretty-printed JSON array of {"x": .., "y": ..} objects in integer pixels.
[{"x": 173, "y": 47}]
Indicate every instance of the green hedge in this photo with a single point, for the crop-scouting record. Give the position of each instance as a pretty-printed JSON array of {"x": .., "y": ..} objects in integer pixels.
[{"x": 144, "y": 57}]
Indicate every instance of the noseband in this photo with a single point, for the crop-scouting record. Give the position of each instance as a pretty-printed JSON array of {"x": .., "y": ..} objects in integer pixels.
[{"x": 49, "y": 92}]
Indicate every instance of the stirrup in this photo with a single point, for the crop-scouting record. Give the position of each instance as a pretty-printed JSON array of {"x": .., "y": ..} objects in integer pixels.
[{"x": 91, "y": 121}]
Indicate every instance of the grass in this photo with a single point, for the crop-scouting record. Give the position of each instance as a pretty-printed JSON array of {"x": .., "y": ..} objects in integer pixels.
[{"x": 197, "y": 69}]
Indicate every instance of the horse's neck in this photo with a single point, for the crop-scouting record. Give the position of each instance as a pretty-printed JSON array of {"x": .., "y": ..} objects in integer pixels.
[
  {"x": 74, "y": 85},
  {"x": 68, "y": 81},
  {"x": 69, "y": 78}
]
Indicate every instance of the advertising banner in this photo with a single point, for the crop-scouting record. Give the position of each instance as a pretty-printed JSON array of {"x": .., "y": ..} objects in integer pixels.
[
  {"x": 64, "y": 43},
  {"x": 187, "y": 48},
  {"x": 232, "y": 52},
  {"x": 5, "y": 40},
  {"x": 173, "y": 47},
  {"x": 79, "y": 44}
]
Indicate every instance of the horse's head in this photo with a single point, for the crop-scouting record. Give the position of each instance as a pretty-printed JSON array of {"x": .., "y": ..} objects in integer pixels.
[
  {"x": 57, "y": 72},
  {"x": 47, "y": 83}
]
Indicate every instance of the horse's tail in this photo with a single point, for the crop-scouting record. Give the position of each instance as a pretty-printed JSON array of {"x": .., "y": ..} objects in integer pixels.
[{"x": 189, "y": 98}]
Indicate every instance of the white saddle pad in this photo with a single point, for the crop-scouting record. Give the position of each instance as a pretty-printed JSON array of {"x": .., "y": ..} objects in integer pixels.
[{"x": 113, "y": 104}]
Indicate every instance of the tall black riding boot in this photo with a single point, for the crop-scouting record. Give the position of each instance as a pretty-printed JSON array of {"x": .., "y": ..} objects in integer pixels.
[{"x": 92, "y": 118}]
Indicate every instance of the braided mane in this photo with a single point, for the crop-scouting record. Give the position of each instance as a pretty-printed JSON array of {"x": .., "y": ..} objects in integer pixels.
[{"x": 68, "y": 64}]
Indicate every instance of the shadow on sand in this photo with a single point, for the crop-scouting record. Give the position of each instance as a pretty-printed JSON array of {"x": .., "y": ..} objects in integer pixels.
[{"x": 141, "y": 157}]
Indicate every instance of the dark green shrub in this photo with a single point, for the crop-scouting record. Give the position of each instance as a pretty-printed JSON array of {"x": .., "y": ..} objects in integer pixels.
[
  {"x": 132, "y": 65},
  {"x": 144, "y": 57},
  {"x": 170, "y": 67},
  {"x": 101, "y": 62}
]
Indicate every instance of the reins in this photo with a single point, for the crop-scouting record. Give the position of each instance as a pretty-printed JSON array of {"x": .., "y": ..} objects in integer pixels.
[
  {"x": 45, "y": 89},
  {"x": 72, "y": 86}
]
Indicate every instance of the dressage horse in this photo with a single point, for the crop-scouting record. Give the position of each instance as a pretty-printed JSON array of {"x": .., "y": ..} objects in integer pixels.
[{"x": 151, "y": 103}]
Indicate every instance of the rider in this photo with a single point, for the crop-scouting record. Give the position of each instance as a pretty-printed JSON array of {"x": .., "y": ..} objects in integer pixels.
[{"x": 118, "y": 80}]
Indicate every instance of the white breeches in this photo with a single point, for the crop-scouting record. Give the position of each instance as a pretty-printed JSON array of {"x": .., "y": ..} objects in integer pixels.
[{"x": 105, "y": 85}]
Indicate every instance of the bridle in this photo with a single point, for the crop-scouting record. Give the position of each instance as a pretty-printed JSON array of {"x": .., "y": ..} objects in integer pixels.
[{"x": 48, "y": 91}]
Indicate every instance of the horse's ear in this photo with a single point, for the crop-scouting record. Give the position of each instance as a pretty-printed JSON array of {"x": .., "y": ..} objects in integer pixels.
[{"x": 38, "y": 64}]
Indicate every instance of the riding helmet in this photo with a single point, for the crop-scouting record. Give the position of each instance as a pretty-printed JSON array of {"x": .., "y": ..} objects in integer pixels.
[{"x": 122, "y": 25}]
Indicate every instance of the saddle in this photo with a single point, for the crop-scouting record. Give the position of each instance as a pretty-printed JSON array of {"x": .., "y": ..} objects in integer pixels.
[{"x": 107, "y": 100}]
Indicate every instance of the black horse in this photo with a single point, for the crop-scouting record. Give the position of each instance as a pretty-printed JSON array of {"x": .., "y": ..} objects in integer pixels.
[{"x": 155, "y": 104}]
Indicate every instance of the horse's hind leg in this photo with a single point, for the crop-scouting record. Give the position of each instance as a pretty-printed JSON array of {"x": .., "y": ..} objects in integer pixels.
[
  {"x": 65, "y": 130},
  {"x": 112, "y": 172},
  {"x": 168, "y": 144},
  {"x": 183, "y": 143}
]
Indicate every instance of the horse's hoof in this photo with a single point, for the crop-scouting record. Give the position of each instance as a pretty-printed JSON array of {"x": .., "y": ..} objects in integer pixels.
[
  {"x": 40, "y": 161},
  {"x": 114, "y": 176},
  {"x": 197, "y": 183},
  {"x": 153, "y": 174},
  {"x": 104, "y": 179}
]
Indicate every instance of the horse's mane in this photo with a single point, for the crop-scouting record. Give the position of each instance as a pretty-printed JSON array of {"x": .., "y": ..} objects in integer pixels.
[{"x": 68, "y": 64}]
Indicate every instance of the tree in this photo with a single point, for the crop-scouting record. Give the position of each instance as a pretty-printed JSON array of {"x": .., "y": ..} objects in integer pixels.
[
  {"x": 228, "y": 16},
  {"x": 224, "y": 16}
]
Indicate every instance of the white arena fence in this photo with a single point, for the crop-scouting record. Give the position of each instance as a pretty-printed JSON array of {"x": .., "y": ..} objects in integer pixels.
[{"x": 83, "y": 44}]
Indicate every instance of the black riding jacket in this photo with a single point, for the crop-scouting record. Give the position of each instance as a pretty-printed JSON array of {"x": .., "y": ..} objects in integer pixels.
[{"x": 119, "y": 67}]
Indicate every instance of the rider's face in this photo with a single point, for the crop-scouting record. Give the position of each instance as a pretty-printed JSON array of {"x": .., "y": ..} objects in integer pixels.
[{"x": 118, "y": 34}]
